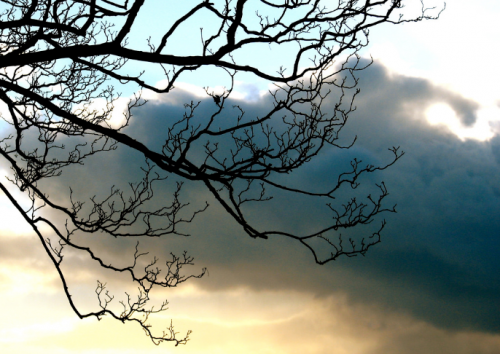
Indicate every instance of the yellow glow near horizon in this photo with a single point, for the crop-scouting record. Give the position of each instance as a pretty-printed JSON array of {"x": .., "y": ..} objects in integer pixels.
[
  {"x": 36, "y": 330},
  {"x": 332, "y": 324},
  {"x": 19, "y": 280}
]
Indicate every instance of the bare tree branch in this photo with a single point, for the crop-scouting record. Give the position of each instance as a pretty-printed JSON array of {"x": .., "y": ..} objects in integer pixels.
[{"x": 57, "y": 59}]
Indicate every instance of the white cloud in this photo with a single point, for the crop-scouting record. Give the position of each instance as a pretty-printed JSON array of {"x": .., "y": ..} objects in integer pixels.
[
  {"x": 443, "y": 115},
  {"x": 454, "y": 52}
]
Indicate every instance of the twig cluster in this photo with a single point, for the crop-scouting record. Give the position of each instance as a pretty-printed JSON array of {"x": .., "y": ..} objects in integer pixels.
[{"x": 56, "y": 59}]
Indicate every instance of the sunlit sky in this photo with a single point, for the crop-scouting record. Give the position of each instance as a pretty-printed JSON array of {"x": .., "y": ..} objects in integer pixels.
[{"x": 431, "y": 286}]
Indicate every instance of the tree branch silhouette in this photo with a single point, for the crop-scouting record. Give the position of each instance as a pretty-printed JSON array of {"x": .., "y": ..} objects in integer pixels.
[{"x": 56, "y": 60}]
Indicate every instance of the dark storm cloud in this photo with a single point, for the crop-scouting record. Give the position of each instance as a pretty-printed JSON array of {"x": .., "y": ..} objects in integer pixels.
[
  {"x": 439, "y": 255},
  {"x": 495, "y": 148}
]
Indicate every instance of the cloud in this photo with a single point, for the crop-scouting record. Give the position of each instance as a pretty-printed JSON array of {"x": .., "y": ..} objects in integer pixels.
[
  {"x": 438, "y": 262},
  {"x": 442, "y": 243}
]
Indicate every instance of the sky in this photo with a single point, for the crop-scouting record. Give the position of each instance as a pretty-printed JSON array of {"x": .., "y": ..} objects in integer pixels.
[{"x": 431, "y": 286}]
